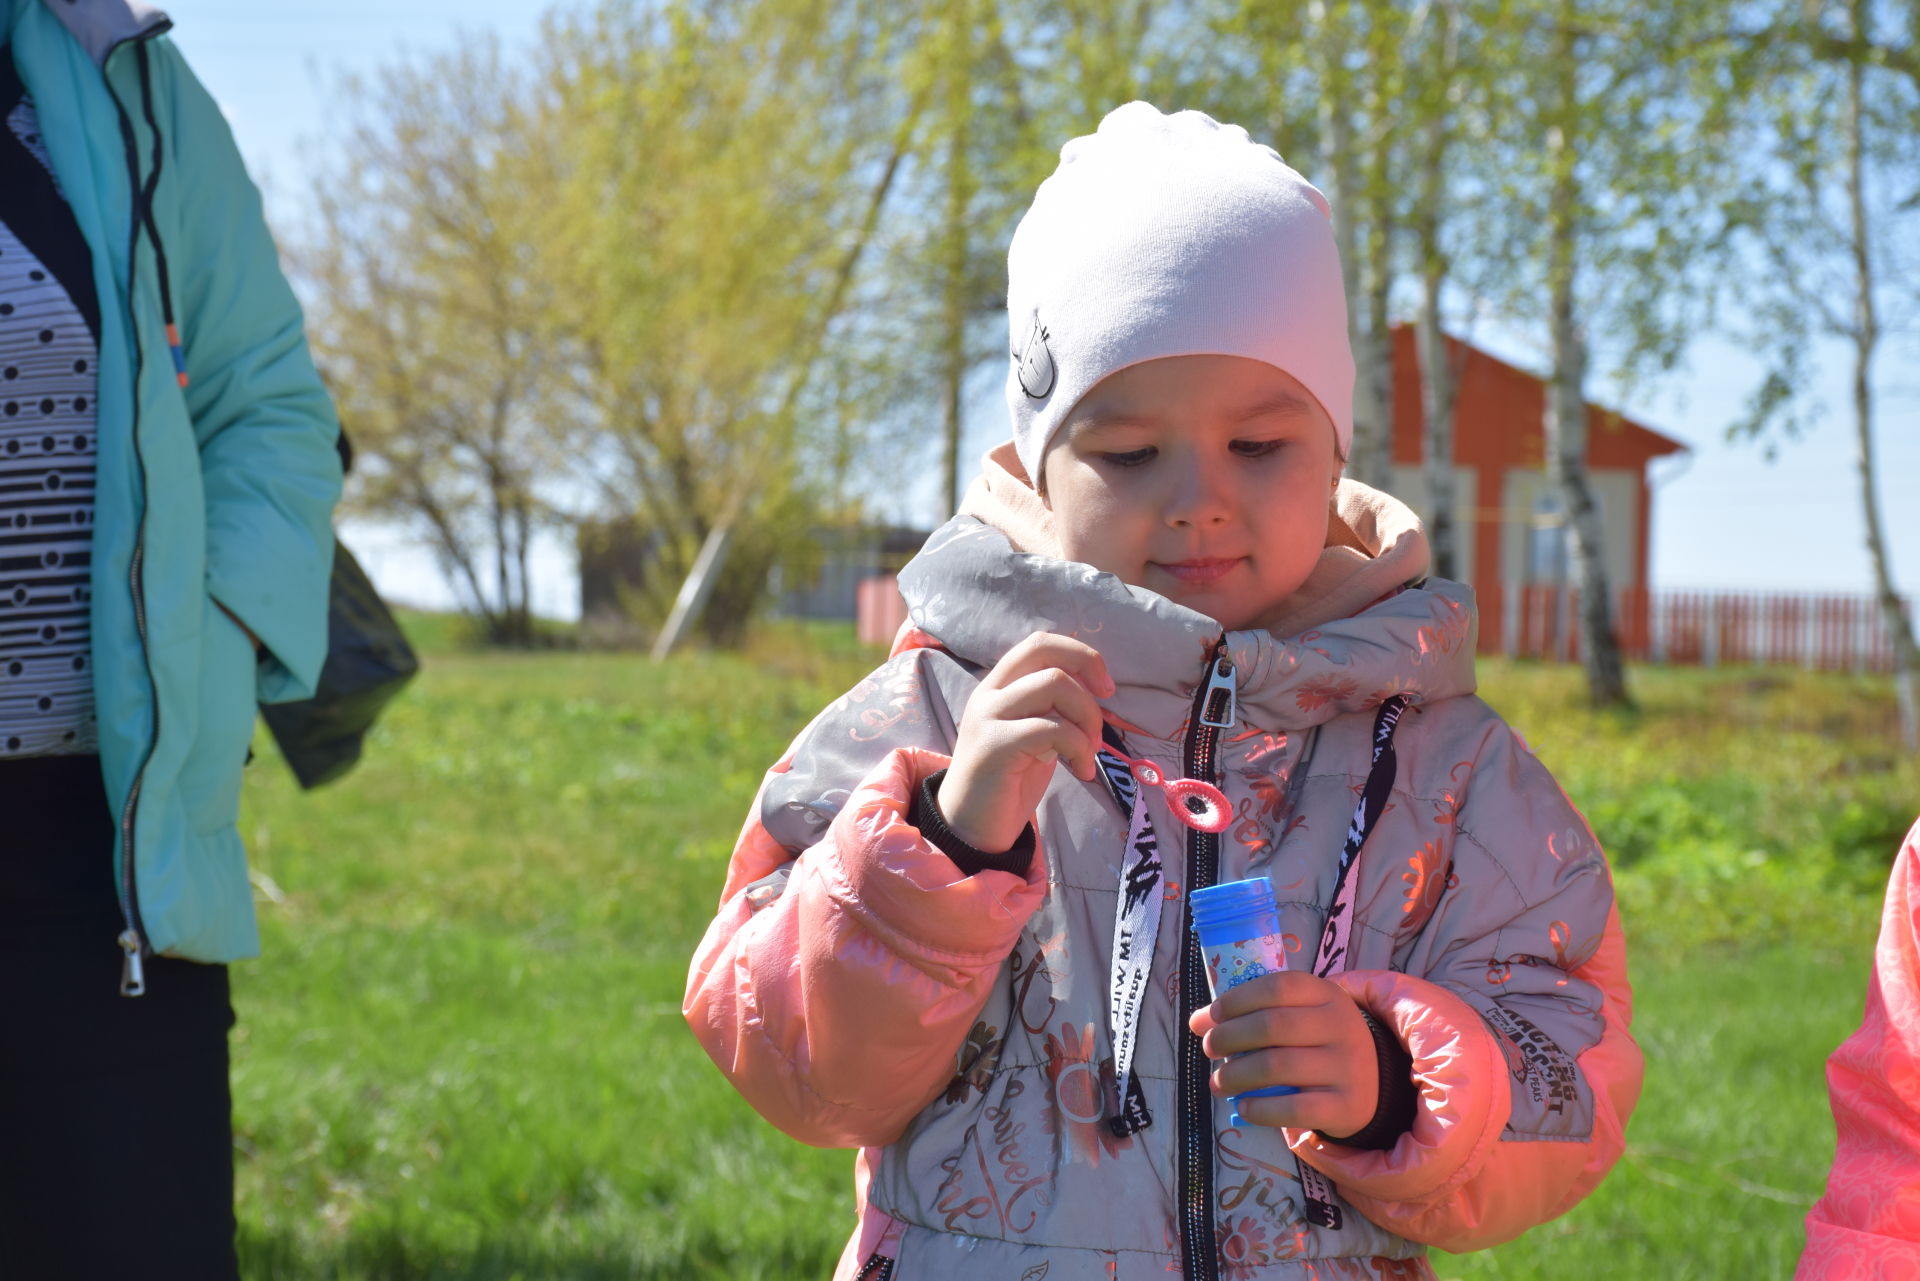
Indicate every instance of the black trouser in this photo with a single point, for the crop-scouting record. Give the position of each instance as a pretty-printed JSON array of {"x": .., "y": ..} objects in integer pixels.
[{"x": 116, "y": 1139}]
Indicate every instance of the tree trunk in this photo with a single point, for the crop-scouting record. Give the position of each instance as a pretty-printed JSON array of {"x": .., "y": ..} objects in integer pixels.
[
  {"x": 1437, "y": 373},
  {"x": 1339, "y": 174},
  {"x": 1866, "y": 337},
  {"x": 698, "y": 585},
  {"x": 501, "y": 630},
  {"x": 523, "y": 539},
  {"x": 456, "y": 565},
  {"x": 1373, "y": 354},
  {"x": 1437, "y": 398},
  {"x": 1373, "y": 360},
  {"x": 1566, "y": 417},
  {"x": 959, "y": 198},
  {"x": 1566, "y": 434}
]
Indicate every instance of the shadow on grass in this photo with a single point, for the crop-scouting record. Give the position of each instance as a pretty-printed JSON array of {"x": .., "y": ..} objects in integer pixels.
[{"x": 388, "y": 1254}]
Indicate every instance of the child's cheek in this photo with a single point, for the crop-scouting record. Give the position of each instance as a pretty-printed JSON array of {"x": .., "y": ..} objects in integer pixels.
[{"x": 1096, "y": 531}]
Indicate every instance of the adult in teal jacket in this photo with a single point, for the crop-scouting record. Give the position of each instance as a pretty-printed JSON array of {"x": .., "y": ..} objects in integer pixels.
[{"x": 167, "y": 476}]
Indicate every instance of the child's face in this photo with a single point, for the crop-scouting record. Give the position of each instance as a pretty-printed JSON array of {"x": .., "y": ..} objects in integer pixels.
[{"x": 1204, "y": 478}]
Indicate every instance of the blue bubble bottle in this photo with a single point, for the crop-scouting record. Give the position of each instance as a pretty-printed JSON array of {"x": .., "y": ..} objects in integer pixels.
[{"x": 1238, "y": 924}]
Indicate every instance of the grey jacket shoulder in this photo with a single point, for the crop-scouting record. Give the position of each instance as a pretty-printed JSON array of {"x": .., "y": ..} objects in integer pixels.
[
  {"x": 914, "y": 699},
  {"x": 1438, "y": 737},
  {"x": 1505, "y": 798}
]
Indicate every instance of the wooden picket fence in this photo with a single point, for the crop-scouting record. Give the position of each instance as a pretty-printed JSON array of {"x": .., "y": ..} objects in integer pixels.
[
  {"x": 1828, "y": 632},
  {"x": 1822, "y": 631}
]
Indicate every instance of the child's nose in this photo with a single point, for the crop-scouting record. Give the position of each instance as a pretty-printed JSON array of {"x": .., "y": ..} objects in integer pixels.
[{"x": 1199, "y": 497}]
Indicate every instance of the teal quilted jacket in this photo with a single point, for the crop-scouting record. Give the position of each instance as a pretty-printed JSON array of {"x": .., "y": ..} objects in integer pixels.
[{"x": 217, "y": 472}]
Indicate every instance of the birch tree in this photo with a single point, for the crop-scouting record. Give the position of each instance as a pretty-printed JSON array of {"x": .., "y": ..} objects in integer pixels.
[
  {"x": 974, "y": 165},
  {"x": 1838, "y": 229},
  {"x": 1007, "y": 83},
  {"x": 1324, "y": 80},
  {"x": 1440, "y": 117},
  {"x": 1605, "y": 236}
]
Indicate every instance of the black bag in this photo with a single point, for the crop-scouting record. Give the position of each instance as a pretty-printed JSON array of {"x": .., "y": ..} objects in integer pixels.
[{"x": 368, "y": 662}]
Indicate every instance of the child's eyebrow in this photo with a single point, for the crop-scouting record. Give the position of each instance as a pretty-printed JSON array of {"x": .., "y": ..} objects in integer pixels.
[
  {"x": 1282, "y": 404},
  {"x": 1097, "y": 419}
]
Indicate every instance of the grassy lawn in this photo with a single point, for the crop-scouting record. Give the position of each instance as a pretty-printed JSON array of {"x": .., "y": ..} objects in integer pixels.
[{"x": 461, "y": 1055}]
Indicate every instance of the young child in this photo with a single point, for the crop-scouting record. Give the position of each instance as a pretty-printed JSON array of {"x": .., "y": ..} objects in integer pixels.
[
  {"x": 1868, "y": 1223},
  {"x": 954, "y": 932}
]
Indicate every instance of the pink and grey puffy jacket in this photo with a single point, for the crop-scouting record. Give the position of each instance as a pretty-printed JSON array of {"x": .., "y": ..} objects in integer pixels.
[
  {"x": 1867, "y": 1226},
  {"x": 861, "y": 992}
]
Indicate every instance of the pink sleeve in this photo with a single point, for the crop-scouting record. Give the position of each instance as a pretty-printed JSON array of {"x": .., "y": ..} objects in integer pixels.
[
  {"x": 1451, "y": 1181},
  {"x": 1868, "y": 1224},
  {"x": 836, "y": 1001}
]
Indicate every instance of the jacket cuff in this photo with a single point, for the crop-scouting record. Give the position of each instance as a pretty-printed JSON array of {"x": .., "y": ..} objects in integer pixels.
[
  {"x": 904, "y": 891},
  {"x": 1464, "y": 1095},
  {"x": 925, "y": 814},
  {"x": 1393, "y": 1114}
]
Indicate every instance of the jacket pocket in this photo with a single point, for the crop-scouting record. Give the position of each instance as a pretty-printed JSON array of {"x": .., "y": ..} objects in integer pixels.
[{"x": 210, "y": 777}]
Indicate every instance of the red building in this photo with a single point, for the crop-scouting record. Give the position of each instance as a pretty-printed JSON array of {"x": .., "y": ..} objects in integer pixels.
[{"x": 1506, "y": 516}]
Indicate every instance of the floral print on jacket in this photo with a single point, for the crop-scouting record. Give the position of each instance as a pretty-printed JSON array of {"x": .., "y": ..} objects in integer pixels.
[{"x": 860, "y": 992}]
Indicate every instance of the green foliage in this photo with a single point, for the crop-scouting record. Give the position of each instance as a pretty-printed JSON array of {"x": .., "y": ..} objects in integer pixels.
[
  {"x": 616, "y": 280},
  {"x": 461, "y": 1056},
  {"x": 1738, "y": 807},
  {"x": 428, "y": 321}
]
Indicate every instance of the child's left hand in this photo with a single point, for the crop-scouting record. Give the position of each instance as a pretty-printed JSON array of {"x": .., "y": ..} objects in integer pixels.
[{"x": 1299, "y": 1030}]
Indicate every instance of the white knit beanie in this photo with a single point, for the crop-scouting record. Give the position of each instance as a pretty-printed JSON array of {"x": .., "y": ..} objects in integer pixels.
[{"x": 1170, "y": 236}]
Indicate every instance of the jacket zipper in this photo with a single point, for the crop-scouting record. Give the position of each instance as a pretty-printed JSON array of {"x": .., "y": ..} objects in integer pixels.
[
  {"x": 132, "y": 938},
  {"x": 1214, "y": 709}
]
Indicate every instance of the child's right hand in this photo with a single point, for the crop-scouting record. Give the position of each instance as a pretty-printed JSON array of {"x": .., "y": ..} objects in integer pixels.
[{"x": 1035, "y": 707}]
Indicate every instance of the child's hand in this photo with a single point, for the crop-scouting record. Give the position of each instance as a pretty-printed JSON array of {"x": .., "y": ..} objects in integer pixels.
[
  {"x": 1035, "y": 707},
  {"x": 1293, "y": 1029}
]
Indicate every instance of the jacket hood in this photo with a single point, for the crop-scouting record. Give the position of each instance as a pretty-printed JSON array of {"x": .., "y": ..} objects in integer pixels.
[
  {"x": 99, "y": 25},
  {"x": 1366, "y": 625}
]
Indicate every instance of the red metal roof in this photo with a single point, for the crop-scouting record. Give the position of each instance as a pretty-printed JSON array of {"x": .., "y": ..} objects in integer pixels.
[{"x": 1497, "y": 422}]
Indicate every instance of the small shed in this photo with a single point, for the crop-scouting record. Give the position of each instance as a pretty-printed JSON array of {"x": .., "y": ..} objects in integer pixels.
[
  {"x": 825, "y": 580},
  {"x": 823, "y": 575},
  {"x": 1507, "y": 516}
]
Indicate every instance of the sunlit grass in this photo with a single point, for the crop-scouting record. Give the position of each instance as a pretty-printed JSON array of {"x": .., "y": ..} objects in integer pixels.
[{"x": 461, "y": 1054}]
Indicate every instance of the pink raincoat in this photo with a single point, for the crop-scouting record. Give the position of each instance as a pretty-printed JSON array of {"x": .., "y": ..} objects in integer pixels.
[{"x": 1867, "y": 1226}]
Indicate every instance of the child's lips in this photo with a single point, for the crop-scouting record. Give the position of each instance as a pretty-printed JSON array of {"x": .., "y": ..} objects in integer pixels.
[{"x": 1201, "y": 570}]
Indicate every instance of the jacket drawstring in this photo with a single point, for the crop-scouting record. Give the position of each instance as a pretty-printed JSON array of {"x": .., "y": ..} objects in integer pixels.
[{"x": 146, "y": 195}]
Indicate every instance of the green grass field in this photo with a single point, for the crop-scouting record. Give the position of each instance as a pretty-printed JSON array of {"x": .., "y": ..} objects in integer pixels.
[{"x": 461, "y": 1055}]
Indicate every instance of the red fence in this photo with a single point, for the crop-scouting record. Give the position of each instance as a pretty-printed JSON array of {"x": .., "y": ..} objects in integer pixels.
[
  {"x": 1828, "y": 632},
  {"x": 1824, "y": 631}
]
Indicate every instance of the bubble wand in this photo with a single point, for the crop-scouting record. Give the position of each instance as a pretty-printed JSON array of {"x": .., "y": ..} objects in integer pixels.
[{"x": 1201, "y": 806}]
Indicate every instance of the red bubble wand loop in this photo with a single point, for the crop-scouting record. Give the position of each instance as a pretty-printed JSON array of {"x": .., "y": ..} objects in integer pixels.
[{"x": 1201, "y": 806}]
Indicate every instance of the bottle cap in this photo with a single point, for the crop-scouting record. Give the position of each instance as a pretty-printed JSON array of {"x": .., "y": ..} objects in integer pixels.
[{"x": 1232, "y": 900}]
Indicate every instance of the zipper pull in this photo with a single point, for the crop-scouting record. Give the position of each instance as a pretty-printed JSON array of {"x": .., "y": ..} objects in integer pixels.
[
  {"x": 133, "y": 970},
  {"x": 1219, "y": 708}
]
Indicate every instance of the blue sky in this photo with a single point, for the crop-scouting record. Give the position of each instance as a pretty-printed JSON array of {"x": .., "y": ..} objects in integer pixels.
[{"x": 1729, "y": 520}]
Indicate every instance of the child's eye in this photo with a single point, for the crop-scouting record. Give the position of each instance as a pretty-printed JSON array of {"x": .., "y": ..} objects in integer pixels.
[
  {"x": 1255, "y": 448},
  {"x": 1132, "y": 458}
]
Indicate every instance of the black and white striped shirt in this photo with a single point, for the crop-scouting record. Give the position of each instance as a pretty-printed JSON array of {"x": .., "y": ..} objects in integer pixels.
[{"x": 49, "y": 318}]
